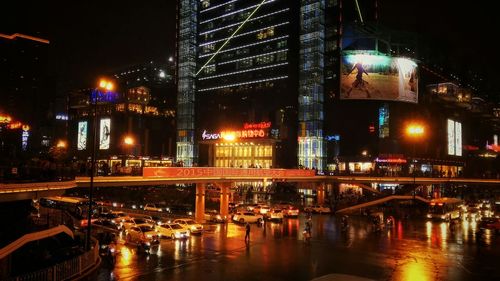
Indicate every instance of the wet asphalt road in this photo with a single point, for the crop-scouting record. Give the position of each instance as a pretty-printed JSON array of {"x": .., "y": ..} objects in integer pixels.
[{"x": 411, "y": 250}]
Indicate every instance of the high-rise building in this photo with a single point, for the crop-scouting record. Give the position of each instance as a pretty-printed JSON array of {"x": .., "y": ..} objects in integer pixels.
[
  {"x": 245, "y": 57},
  {"x": 27, "y": 92}
]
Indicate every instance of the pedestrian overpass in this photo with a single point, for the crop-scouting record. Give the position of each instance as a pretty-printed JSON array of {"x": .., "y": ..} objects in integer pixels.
[{"x": 224, "y": 178}]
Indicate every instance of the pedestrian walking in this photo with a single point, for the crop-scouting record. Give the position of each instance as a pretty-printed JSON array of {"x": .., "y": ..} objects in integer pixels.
[{"x": 247, "y": 233}]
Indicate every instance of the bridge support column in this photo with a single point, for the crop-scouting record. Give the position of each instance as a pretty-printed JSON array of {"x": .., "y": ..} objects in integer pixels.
[
  {"x": 224, "y": 199},
  {"x": 320, "y": 194},
  {"x": 200, "y": 203}
]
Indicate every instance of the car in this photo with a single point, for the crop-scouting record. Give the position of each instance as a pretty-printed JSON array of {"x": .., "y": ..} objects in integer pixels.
[
  {"x": 116, "y": 218},
  {"x": 181, "y": 210},
  {"x": 108, "y": 224},
  {"x": 190, "y": 225},
  {"x": 249, "y": 217},
  {"x": 142, "y": 233},
  {"x": 259, "y": 208},
  {"x": 473, "y": 213},
  {"x": 490, "y": 223},
  {"x": 121, "y": 215},
  {"x": 153, "y": 208},
  {"x": 172, "y": 230},
  {"x": 131, "y": 222},
  {"x": 291, "y": 212},
  {"x": 106, "y": 203},
  {"x": 319, "y": 209},
  {"x": 485, "y": 211},
  {"x": 214, "y": 216},
  {"x": 118, "y": 205},
  {"x": 253, "y": 207},
  {"x": 275, "y": 215}
]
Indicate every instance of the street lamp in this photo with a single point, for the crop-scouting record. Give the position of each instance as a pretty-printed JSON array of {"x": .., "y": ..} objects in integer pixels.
[
  {"x": 106, "y": 86},
  {"x": 61, "y": 144},
  {"x": 415, "y": 132}
]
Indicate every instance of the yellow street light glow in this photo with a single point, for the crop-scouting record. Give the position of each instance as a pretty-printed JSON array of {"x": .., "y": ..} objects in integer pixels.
[
  {"x": 128, "y": 140},
  {"x": 105, "y": 84},
  {"x": 61, "y": 144},
  {"x": 229, "y": 137},
  {"x": 415, "y": 130}
]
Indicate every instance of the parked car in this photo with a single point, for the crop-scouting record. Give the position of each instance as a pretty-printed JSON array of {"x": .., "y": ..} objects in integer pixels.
[
  {"x": 275, "y": 215},
  {"x": 153, "y": 208},
  {"x": 250, "y": 217},
  {"x": 319, "y": 209},
  {"x": 190, "y": 225},
  {"x": 214, "y": 216},
  {"x": 172, "y": 230},
  {"x": 142, "y": 233}
]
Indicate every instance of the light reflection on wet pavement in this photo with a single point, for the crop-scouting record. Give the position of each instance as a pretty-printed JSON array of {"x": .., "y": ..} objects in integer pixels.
[{"x": 411, "y": 250}]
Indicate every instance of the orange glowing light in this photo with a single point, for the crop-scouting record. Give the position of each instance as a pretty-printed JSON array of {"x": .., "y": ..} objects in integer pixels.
[
  {"x": 415, "y": 130},
  {"x": 4, "y": 119},
  {"x": 229, "y": 137},
  {"x": 26, "y": 127},
  {"x": 106, "y": 85},
  {"x": 61, "y": 144},
  {"x": 128, "y": 140},
  {"x": 15, "y": 125}
]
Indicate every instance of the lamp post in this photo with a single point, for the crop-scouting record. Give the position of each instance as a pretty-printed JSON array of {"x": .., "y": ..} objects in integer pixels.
[
  {"x": 128, "y": 142},
  {"x": 414, "y": 131},
  {"x": 105, "y": 86}
]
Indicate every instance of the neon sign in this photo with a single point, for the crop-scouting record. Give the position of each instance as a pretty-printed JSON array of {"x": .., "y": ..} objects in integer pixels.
[
  {"x": 241, "y": 134},
  {"x": 261, "y": 125},
  {"x": 24, "y": 140}
]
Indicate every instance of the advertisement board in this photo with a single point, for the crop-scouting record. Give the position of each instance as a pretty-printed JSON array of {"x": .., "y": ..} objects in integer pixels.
[
  {"x": 203, "y": 173},
  {"x": 454, "y": 137},
  {"x": 378, "y": 77},
  {"x": 82, "y": 135},
  {"x": 105, "y": 132}
]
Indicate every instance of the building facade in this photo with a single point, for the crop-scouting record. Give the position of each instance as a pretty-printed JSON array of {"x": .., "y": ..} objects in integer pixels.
[
  {"x": 135, "y": 121},
  {"x": 337, "y": 87}
]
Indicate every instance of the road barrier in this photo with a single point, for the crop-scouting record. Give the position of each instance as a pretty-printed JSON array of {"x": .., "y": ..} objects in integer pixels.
[{"x": 67, "y": 270}]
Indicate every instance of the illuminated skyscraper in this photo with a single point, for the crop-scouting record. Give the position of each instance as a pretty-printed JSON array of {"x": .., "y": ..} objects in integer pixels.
[{"x": 247, "y": 59}]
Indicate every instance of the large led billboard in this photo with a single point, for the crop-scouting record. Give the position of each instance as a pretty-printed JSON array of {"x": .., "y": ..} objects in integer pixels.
[
  {"x": 454, "y": 138},
  {"x": 378, "y": 77},
  {"x": 105, "y": 132},
  {"x": 82, "y": 135}
]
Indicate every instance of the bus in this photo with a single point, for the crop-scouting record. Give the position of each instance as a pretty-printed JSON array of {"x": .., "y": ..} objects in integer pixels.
[
  {"x": 76, "y": 207},
  {"x": 445, "y": 209}
]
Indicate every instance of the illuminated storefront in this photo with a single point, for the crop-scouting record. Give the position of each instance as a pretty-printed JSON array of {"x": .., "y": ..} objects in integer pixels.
[{"x": 248, "y": 147}]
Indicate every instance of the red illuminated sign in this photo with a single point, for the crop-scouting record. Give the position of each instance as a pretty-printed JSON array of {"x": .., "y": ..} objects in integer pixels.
[
  {"x": 261, "y": 125},
  {"x": 240, "y": 134},
  {"x": 198, "y": 172},
  {"x": 391, "y": 160}
]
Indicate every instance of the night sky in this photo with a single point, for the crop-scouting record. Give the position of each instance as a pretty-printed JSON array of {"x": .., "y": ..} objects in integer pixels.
[{"x": 89, "y": 38}]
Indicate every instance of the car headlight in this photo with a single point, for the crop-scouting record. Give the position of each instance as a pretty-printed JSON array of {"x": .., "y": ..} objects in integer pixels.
[
  {"x": 429, "y": 216},
  {"x": 177, "y": 235},
  {"x": 190, "y": 213},
  {"x": 193, "y": 227},
  {"x": 149, "y": 236},
  {"x": 167, "y": 209},
  {"x": 443, "y": 217},
  {"x": 113, "y": 221},
  {"x": 134, "y": 207},
  {"x": 218, "y": 217}
]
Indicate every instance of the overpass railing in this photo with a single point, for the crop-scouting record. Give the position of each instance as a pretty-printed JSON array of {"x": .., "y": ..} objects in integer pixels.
[{"x": 66, "y": 270}]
